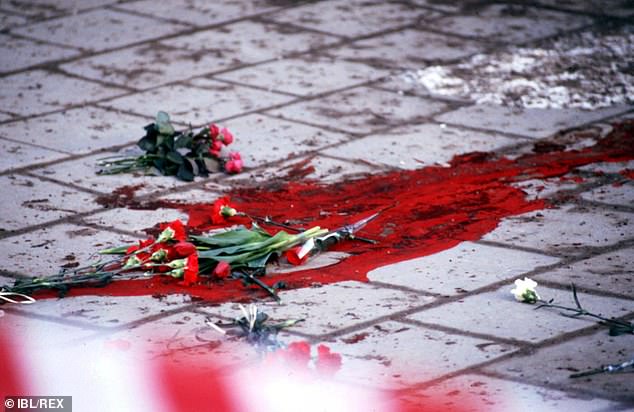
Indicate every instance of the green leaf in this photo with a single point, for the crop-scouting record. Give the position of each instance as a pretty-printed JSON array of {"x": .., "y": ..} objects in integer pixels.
[
  {"x": 194, "y": 166},
  {"x": 163, "y": 124},
  {"x": 232, "y": 237},
  {"x": 184, "y": 141},
  {"x": 175, "y": 157},
  {"x": 119, "y": 250},
  {"x": 148, "y": 144},
  {"x": 184, "y": 173}
]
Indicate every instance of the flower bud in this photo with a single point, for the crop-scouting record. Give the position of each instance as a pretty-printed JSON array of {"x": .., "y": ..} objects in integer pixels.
[{"x": 167, "y": 234}]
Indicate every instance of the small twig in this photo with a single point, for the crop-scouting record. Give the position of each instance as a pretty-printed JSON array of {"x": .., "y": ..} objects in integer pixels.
[{"x": 605, "y": 369}]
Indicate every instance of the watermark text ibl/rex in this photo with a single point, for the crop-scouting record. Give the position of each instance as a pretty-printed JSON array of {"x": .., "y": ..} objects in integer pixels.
[{"x": 38, "y": 403}]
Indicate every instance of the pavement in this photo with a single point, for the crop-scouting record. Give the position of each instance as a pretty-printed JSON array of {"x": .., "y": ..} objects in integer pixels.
[{"x": 319, "y": 82}]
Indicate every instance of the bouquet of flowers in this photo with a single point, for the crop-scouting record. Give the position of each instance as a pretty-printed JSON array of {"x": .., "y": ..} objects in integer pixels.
[{"x": 184, "y": 154}]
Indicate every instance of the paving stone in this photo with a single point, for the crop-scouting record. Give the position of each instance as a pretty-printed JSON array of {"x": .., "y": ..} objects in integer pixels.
[
  {"x": 262, "y": 139},
  {"x": 489, "y": 313},
  {"x": 304, "y": 76},
  {"x": 535, "y": 123},
  {"x": 555, "y": 364},
  {"x": 211, "y": 100},
  {"x": 79, "y": 130},
  {"x": 353, "y": 18},
  {"x": 207, "y": 194},
  {"x": 392, "y": 354},
  {"x": 32, "y": 201},
  {"x": 103, "y": 311},
  {"x": 135, "y": 220},
  {"x": 5, "y": 116},
  {"x": 204, "y": 52},
  {"x": 461, "y": 269},
  {"x": 544, "y": 188},
  {"x": 49, "y": 8},
  {"x": 99, "y": 29},
  {"x": 38, "y": 91},
  {"x": 36, "y": 334},
  {"x": 611, "y": 272},
  {"x": 349, "y": 303},
  {"x": 510, "y": 23},
  {"x": 19, "y": 155},
  {"x": 199, "y": 12},
  {"x": 321, "y": 168},
  {"x": 565, "y": 230},
  {"x": 415, "y": 146},
  {"x": 83, "y": 173},
  {"x": 184, "y": 338},
  {"x": 608, "y": 167},
  {"x": 361, "y": 110},
  {"x": 476, "y": 393},
  {"x": 622, "y": 194},
  {"x": 10, "y": 21},
  {"x": 43, "y": 251},
  {"x": 617, "y": 8},
  {"x": 20, "y": 53},
  {"x": 411, "y": 49}
]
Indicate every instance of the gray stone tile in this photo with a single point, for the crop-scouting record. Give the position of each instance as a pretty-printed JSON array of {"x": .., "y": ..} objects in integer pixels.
[
  {"x": 104, "y": 311},
  {"x": 28, "y": 201},
  {"x": 610, "y": 272},
  {"x": 203, "y": 52},
  {"x": 83, "y": 173},
  {"x": 37, "y": 334},
  {"x": 556, "y": 363},
  {"x": 510, "y": 23},
  {"x": 210, "y": 100},
  {"x": 10, "y": 21},
  {"x": 199, "y": 12},
  {"x": 622, "y": 194},
  {"x": 19, "y": 155},
  {"x": 353, "y": 18},
  {"x": 207, "y": 194},
  {"x": 486, "y": 393},
  {"x": 135, "y": 220},
  {"x": 38, "y": 91},
  {"x": 43, "y": 251},
  {"x": 349, "y": 303},
  {"x": 183, "y": 338},
  {"x": 461, "y": 269},
  {"x": 321, "y": 168},
  {"x": 406, "y": 49},
  {"x": 497, "y": 314},
  {"x": 609, "y": 167},
  {"x": 545, "y": 188},
  {"x": 304, "y": 76},
  {"x": 5, "y": 116},
  {"x": 21, "y": 53},
  {"x": 79, "y": 130},
  {"x": 443, "y": 5},
  {"x": 392, "y": 355},
  {"x": 99, "y": 29},
  {"x": 565, "y": 230},
  {"x": 49, "y": 8},
  {"x": 536, "y": 123},
  {"x": 361, "y": 110},
  {"x": 416, "y": 146},
  {"x": 617, "y": 8},
  {"x": 262, "y": 139}
]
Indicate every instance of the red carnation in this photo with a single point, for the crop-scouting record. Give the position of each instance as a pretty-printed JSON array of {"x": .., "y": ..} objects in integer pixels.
[
  {"x": 298, "y": 354},
  {"x": 222, "y": 210},
  {"x": 172, "y": 231},
  {"x": 214, "y": 131},
  {"x": 222, "y": 270},
  {"x": 327, "y": 363},
  {"x": 183, "y": 249},
  {"x": 191, "y": 270},
  {"x": 234, "y": 164},
  {"x": 226, "y": 136},
  {"x": 215, "y": 148},
  {"x": 142, "y": 245}
]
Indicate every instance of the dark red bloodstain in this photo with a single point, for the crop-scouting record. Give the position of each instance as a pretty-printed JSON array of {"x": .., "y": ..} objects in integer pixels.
[{"x": 423, "y": 212}]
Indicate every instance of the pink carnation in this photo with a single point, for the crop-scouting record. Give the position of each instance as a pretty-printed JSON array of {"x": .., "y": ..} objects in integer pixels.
[{"x": 234, "y": 164}]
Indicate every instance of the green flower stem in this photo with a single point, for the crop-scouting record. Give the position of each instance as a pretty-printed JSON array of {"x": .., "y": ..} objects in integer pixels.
[{"x": 579, "y": 311}]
